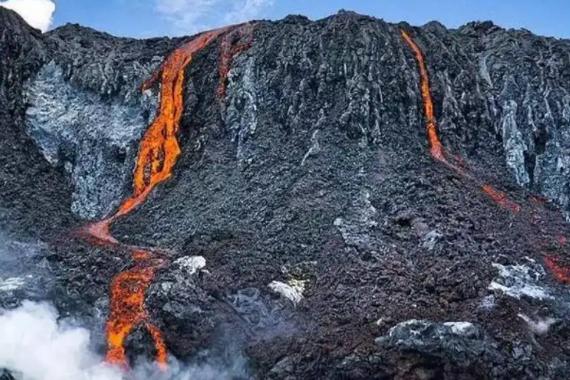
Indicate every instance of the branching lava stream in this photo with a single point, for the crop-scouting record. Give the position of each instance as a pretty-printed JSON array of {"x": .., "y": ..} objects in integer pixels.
[
  {"x": 127, "y": 309},
  {"x": 158, "y": 153}
]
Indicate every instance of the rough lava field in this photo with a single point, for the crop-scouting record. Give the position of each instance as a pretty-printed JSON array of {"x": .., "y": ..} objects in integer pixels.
[{"x": 335, "y": 199}]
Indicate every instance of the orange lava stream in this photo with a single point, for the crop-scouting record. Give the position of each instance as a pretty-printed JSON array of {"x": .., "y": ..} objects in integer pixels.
[
  {"x": 436, "y": 147},
  {"x": 501, "y": 198},
  {"x": 128, "y": 291},
  {"x": 158, "y": 153},
  {"x": 159, "y": 149},
  {"x": 559, "y": 272},
  {"x": 229, "y": 51}
]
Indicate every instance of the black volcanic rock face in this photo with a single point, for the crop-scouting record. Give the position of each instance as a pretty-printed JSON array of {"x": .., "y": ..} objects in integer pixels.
[
  {"x": 35, "y": 195},
  {"x": 334, "y": 245}
]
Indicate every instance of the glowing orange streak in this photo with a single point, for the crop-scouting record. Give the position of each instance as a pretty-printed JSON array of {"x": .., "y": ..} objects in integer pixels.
[
  {"x": 128, "y": 290},
  {"x": 560, "y": 273},
  {"x": 436, "y": 147},
  {"x": 159, "y": 148},
  {"x": 158, "y": 153},
  {"x": 501, "y": 198},
  {"x": 229, "y": 51}
]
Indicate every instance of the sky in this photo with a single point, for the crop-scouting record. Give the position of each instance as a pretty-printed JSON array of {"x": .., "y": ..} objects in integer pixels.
[{"x": 150, "y": 18}]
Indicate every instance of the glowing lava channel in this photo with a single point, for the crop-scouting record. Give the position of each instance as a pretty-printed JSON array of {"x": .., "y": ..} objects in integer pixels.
[
  {"x": 159, "y": 149},
  {"x": 501, "y": 198},
  {"x": 127, "y": 309},
  {"x": 436, "y": 147},
  {"x": 158, "y": 153},
  {"x": 560, "y": 272}
]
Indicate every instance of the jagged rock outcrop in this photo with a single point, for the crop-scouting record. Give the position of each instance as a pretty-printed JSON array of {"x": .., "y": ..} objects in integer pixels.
[
  {"x": 514, "y": 84},
  {"x": 312, "y": 170},
  {"x": 34, "y": 195},
  {"x": 87, "y": 112}
]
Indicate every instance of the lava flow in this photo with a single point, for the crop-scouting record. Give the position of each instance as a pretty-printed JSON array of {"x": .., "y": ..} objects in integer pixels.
[
  {"x": 159, "y": 149},
  {"x": 560, "y": 272},
  {"x": 128, "y": 311},
  {"x": 158, "y": 152},
  {"x": 501, "y": 198},
  {"x": 229, "y": 50},
  {"x": 436, "y": 147}
]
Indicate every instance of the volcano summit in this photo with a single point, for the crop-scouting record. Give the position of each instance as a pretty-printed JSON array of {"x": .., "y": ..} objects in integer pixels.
[{"x": 334, "y": 199}]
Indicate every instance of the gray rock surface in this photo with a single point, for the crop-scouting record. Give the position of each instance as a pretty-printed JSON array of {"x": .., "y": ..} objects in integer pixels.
[
  {"x": 94, "y": 139},
  {"x": 459, "y": 342}
]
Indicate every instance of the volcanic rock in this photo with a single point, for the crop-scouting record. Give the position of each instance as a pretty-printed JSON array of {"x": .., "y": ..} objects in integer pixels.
[{"x": 314, "y": 166}]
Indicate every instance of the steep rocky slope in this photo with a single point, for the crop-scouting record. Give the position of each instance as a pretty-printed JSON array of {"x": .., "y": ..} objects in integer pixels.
[{"x": 309, "y": 175}]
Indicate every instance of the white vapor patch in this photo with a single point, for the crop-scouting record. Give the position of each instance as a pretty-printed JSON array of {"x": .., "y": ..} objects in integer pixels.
[
  {"x": 192, "y": 16},
  {"x": 34, "y": 345},
  {"x": 37, "y": 13}
]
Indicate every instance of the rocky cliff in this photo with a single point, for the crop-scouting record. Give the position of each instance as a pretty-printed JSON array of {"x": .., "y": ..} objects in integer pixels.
[{"x": 305, "y": 220}]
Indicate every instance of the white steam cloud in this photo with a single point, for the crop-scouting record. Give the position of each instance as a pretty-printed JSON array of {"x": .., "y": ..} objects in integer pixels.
[
  {"x": 191, "y": 16},
  {"x": 37, "y": 13},
  {"x": 35, "y": 346}
]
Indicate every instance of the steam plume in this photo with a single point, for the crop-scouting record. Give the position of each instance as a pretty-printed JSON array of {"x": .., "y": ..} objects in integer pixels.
[
  {"x": 35, "y": 346},
  {"x": 37, "y": 13}
]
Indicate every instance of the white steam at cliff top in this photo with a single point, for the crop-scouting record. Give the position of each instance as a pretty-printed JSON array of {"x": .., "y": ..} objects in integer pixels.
[{"x": 37, "y": 13}]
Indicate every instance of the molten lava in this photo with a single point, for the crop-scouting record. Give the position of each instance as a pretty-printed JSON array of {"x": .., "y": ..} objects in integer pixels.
[
  {"x": 128, "y": 291},
  {"x": 501, "y": 198},
  {"x": 229, "y": 50},
  {"x": 159, "y": 149},
  {"x": 436, "y": 147},
  {"x": 560, "y": 272},
  {"x": 158, "y": 152}
]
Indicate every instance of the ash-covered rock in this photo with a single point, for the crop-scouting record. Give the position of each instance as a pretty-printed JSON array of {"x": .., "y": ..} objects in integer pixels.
[
  {"x": 462, "y": 343},
  {"x": 24, "y": 272},
  {"x": 520, "y": 280},
  {"x": 93, "y": 138},
  {"x": 181, "y": 301},
  {"x": 293, "y": 290},
  {"x": 34, "y": 196}
]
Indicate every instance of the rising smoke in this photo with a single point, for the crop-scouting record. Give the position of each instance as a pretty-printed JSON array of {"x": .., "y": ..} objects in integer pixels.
[{"x": 34, "y": 345}]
